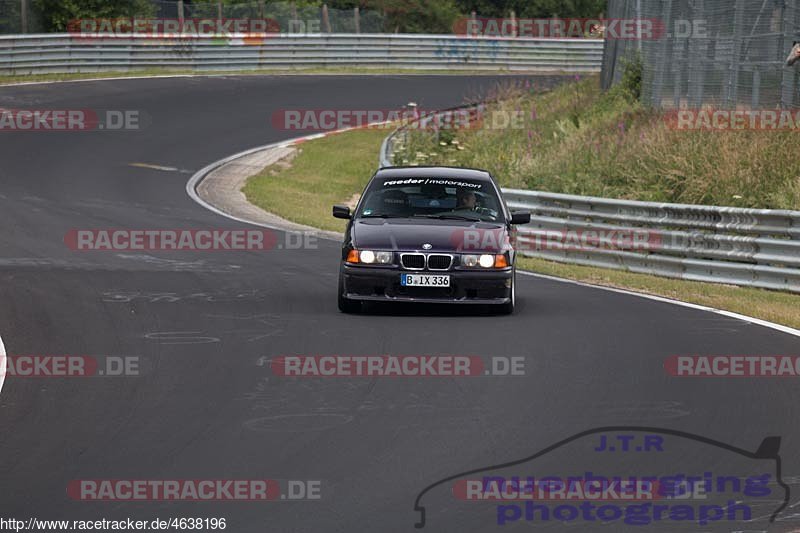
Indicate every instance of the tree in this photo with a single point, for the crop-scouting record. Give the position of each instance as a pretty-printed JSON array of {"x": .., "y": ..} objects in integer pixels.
[
  {"x": 10, "y": 19},
  {"x": 534, "y": 8},
  {"x": 57, "y": 14},
  {"x": 416, "y": 16}
]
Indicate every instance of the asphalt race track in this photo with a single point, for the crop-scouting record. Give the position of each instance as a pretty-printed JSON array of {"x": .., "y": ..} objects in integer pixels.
[{"x": 206, "y": 325}]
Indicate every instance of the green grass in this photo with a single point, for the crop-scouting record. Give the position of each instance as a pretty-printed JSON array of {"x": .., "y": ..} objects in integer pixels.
[
  {"x": 331, "y": 170},
  {"x": 577, "y": 140},
  {"x": 327, "y": 171}
]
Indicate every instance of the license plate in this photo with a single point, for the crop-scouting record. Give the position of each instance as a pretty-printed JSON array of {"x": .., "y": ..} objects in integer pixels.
[{"x": 424, "y": 280}]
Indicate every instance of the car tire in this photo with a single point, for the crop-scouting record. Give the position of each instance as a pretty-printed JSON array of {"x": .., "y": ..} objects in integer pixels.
[
  {"x": 508, "y": 308},
  {"x": 346, "y": 305}
]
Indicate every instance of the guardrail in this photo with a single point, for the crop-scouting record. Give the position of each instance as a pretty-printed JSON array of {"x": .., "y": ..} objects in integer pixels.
[
  {"x": 398, "y": 137},
  {"x": 65, "y": 53},
  {"x": 748, "y": 247}
]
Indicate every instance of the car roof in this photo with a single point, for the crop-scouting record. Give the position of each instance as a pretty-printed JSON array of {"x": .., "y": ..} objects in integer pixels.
[{"x": 433, "y": 172}]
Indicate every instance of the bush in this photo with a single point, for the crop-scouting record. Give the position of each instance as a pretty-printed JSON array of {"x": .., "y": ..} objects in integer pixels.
[
  {"x": 631, "y": 81},
  {"x": 57, "y": 14}
]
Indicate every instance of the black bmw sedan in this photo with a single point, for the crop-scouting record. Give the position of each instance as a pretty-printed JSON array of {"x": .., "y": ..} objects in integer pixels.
[{"x": 429, "y": 234}]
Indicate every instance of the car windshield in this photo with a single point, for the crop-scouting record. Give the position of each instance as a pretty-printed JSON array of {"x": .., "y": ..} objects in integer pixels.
[{"x": 436, "y": 198}]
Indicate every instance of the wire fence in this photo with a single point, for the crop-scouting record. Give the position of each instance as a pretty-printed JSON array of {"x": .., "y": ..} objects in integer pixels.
[
  {"x": 21, "y": 16},
  {"x": 720, "y": 53}
]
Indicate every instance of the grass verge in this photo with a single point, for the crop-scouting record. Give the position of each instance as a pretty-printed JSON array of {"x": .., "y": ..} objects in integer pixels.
[
  {"x": 577, "y": 140},
  {"x": 333, "y": 169},
  {"x": 325, "y": 171}
]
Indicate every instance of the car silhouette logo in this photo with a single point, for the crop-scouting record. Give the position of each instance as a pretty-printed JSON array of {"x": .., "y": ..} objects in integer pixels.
[
  {"x": 768, "y": 450},
  {"x": 427, "y": 246}
]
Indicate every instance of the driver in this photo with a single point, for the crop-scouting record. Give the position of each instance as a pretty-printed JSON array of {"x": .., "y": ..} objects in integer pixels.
[{"x": 465, "y": 199}]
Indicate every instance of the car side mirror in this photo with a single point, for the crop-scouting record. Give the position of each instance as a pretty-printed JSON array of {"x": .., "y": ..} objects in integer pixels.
[
  {"x": 520, "y": 217},
  {"x": 341, "y": 211}
]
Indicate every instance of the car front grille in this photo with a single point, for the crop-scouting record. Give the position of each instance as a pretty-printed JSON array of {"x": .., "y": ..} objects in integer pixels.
[
  {"x": 416, "y": 261},
  {"x": 413, "y": 261},
  {"x": 439, "y": 262}
]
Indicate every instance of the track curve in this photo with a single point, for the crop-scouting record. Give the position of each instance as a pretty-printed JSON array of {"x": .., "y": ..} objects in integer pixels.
[{"x": 207, "y": 405}]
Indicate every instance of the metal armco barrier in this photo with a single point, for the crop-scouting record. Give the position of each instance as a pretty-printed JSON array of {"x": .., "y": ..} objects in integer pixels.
[
  {"x": 37, "y": 54},
  {"x": 748, "y": 247}
]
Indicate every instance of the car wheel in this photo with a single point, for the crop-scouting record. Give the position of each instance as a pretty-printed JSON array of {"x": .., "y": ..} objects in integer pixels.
[
  {"x": 508, "y": 308},
  {"x": 346, "y": 305}
]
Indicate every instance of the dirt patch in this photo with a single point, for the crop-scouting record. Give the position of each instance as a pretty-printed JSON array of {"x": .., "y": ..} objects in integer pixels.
[
  {"x": 284, "y": 163},
  {"x": 353, "y": 201}
]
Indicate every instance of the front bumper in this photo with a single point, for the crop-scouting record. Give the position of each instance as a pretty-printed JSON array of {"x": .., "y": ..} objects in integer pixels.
[{"x": 466, "y": 287}]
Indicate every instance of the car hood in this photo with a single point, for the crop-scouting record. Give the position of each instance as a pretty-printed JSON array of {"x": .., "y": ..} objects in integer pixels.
[{"x": 442, "y": 235}]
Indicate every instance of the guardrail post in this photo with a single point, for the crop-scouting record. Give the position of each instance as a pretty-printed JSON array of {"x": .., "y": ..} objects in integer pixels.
[
  {"x": 261, "y": 9},
  {"x": 180, "y": 13},
  {"x": 219, "y": 10},
  {"x": 788, "y": 75},
  {"x": 326, "y": 22},
  {"x": 756, "y": 96},
  {"x": 638, "y": 19},
  {"x": 698, "y": 55},
  {"x": 664, "y": 62},
  {"x": 356, "y": 19},
  {"x": 732, "y": 93},
  {"x": 513, "y": 24},
  {"x": 23, "y": 10}
]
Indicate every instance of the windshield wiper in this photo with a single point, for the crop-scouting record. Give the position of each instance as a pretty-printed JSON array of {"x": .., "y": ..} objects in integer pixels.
[
  {"x": 449, "y": 216},
  {"x": 382, "y": 216}
]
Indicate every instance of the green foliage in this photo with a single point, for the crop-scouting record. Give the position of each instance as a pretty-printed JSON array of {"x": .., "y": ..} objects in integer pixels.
[
  {"x": 446, "y": 136},
  {"x": 534, "y": 8},
  {"x": 404, "y": 16},
  {"x": 56, "y": 14},
  {"x": 631, "y": 81},
  {"x": 10, "y": 20},
  {"x": 415, "y": 16},
  {"x": 577, "y": 140}
]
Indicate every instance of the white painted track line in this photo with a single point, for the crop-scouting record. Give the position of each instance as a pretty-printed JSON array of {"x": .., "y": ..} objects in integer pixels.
[
  {"x": 191, "y": 186},
  {"x": 2, "y": 364},
  {"x": 729, "y": 314}
]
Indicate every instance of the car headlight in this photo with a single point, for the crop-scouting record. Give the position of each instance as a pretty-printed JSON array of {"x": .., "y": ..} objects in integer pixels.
[
  {"x": 469, "y": 260},
  {"x": 384, "y": 258},
  {"x": 369, "y": 257},
  {"x": 484, "y": 260}
]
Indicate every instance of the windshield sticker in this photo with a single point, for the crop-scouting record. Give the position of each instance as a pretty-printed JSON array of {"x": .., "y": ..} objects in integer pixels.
[{"x": 433, "y": 181}]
